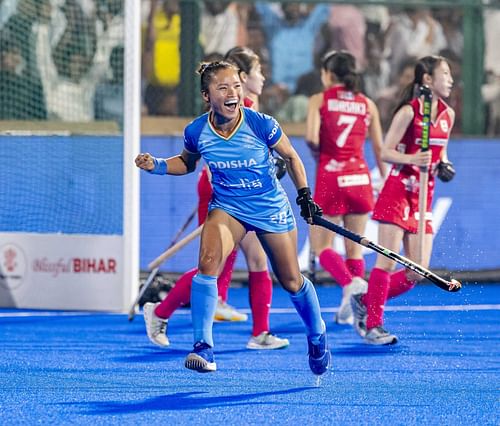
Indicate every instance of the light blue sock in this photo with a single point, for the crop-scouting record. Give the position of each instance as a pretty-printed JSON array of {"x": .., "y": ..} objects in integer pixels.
[
  {"x": 307, "y": 305},
  {"x": 203, "y": 305}
]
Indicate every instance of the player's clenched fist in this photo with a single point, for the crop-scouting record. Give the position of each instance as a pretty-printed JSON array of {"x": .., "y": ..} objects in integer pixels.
[
  {"x": 153, "y": 165},
  {"x": 145, "y": 161}
]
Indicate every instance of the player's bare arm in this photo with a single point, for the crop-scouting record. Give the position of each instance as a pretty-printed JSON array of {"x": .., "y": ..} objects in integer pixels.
[
  {"x": 313, "y": 123},
  {"x": 294, "y": 164},
  {"x": 181, "y": 164},
  {"x": 375, "y": 131}
]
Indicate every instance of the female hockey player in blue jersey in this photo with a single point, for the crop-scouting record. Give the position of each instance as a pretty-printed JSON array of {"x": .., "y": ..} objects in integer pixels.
[{"x": 235, "y": 143}]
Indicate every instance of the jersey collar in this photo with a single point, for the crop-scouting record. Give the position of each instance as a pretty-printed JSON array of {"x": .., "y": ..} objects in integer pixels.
[{"x": 235, "y": 129}]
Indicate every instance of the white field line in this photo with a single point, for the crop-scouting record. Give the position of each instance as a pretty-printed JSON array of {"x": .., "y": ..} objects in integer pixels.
[{"x": 428, "y": 308}]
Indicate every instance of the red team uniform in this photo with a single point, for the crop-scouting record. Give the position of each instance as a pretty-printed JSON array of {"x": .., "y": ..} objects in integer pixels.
[
  {"x": 398, "y": 200},
  {"x": 343, "y": 183}
]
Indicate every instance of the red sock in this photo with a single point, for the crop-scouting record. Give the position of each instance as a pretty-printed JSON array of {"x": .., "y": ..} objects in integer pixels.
[
  {"x": 261, "y": 292},
  {"x": 333, "y": 263},
  {"x": 399, "y": 284},
  {"x": 356, "y": 267},
  {"x": 224, "y": 279},
  {"x": 178, "y": 296},
  {"x": 374, "y": 300}
]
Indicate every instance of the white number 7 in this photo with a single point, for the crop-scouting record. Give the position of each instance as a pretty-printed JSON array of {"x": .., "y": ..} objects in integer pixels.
[{"x": 345, "y": 119}]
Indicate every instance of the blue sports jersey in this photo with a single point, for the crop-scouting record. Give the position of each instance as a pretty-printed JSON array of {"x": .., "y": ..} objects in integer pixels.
[{"x": 243, "y": 174}]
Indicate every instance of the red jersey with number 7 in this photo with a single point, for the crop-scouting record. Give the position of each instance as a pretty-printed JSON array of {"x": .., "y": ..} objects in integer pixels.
[
  {"x": 343, "y": 183},
  {"x": 344, "y": 123}
]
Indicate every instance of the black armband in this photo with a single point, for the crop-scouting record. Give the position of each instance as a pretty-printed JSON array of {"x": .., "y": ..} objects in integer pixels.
[
  {"x": 188, "y": 168},
  {"x": 280, "y": 166}
]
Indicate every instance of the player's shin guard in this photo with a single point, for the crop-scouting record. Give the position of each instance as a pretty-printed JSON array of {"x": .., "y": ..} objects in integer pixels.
[
  {"x": 374, "y": 299},
  {"x": 261, "y": 293},
  {"x": 203, "y": 304},
  {"x": 307, "y": 305},
  {"x": 356, "y": 267},
  {"x": 399, "y": 284},
  {"x": 334, "y": 264},
  {"x": 179, "y": 295}
]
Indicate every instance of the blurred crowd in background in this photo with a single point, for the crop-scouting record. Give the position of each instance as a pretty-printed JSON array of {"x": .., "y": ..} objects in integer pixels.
[{"x": 63, "y": 59}]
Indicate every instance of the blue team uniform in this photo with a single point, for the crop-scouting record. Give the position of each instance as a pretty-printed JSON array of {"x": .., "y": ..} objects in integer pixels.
[{"x": 243, "y": 174}]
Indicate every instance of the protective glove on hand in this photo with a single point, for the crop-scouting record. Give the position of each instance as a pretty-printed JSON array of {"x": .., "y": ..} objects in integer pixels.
[
  {"x": 308, "y": 208},
  {"x": 445, "y": 171}
]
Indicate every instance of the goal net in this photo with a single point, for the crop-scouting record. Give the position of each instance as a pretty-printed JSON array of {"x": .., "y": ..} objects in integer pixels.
[{"x": 69, "y": 131}]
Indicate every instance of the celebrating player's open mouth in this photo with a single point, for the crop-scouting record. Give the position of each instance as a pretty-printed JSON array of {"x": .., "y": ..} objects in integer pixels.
[{"x": 232, "y": 104}]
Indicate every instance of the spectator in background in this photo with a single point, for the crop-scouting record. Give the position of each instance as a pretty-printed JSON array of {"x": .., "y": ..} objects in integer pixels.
[
  {"x": 294, "y": 109},
  {"x": 109, "y": 96},
  {"x": 161, "y": 100},
  {"x": 451, "y": 20},
  {"x": 19, "y": 29},
  {"x": 21, "y": 97},
  {"x": 256, "y": 38},
  {"x": 491, "y": 89},
  {"x": 161, "y": 53},
  {"x": 291, "y": 38},
  {"x": 376, "y": 75},
  {"x": 70, "y": 87},
  {"x": 413, "y": 33},
  {"x": 161, "y": 60},
  {"x": 388, "y": 98},
  {"x": 7, "y": 9},
  {"x": 223, "y": 26},
  {"x": 345, "y": 30}
]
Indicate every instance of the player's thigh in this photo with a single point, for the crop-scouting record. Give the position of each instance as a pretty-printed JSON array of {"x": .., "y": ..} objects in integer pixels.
[
  {"x": 322, "y": 238},
  {"x": 357, "y": 224},
  {"x": 255, "y": 255},
  {"x": 221, "y": 232},
  {"x": 282, "y": 252}
]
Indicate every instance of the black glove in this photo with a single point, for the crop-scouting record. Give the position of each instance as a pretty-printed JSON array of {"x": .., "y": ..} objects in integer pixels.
[
  {"x": 308, "y": 208},
  {"x": 445, "y": 171},
  {"x": 280, "y": 166}
]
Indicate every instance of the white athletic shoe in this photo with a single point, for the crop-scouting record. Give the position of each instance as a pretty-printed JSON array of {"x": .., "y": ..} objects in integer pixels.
[
  {"x": 156, "y": 327},
  {"x": 266, "y": 340},
  {"x": 380, "y": 336},
  {"x": 358, "y": 286},
  {"x": 225, "y": 312},
  {"x": 359, "y": 314}
]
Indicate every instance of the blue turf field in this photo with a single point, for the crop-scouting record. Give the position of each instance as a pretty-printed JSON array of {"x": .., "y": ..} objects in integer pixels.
[{"x": 87, "y": 368}]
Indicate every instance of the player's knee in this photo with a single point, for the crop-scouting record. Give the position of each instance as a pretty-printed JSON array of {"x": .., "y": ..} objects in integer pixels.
[
  {"x": 257, "y": 263},
  {"x": 210, "y": 263},
  {"x": 292, "y": 284}
]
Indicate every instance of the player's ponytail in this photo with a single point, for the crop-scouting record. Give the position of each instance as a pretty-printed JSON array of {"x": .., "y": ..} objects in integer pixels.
[{"x": 343, "y": 65}]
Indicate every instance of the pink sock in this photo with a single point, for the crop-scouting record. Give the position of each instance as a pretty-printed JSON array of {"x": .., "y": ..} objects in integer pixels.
[
  {"x": 333, "y": 263},
  {"x": 356, "y": 267},
  {"x": 224, "y": 279},
  {"x": 399, "y": 284},
  {"x": 374, "y": 300},
  {"x": 178, "y": 296},
  {"x": 261, "y": 292}
]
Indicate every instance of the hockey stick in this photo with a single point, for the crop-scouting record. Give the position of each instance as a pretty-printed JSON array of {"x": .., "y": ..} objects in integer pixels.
[
  {"x": 451, "y": 286},
  {"x": 424, "y": 171},
  {"x": 175, "y": 248},
  {"x": 154, "y": 272}
]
